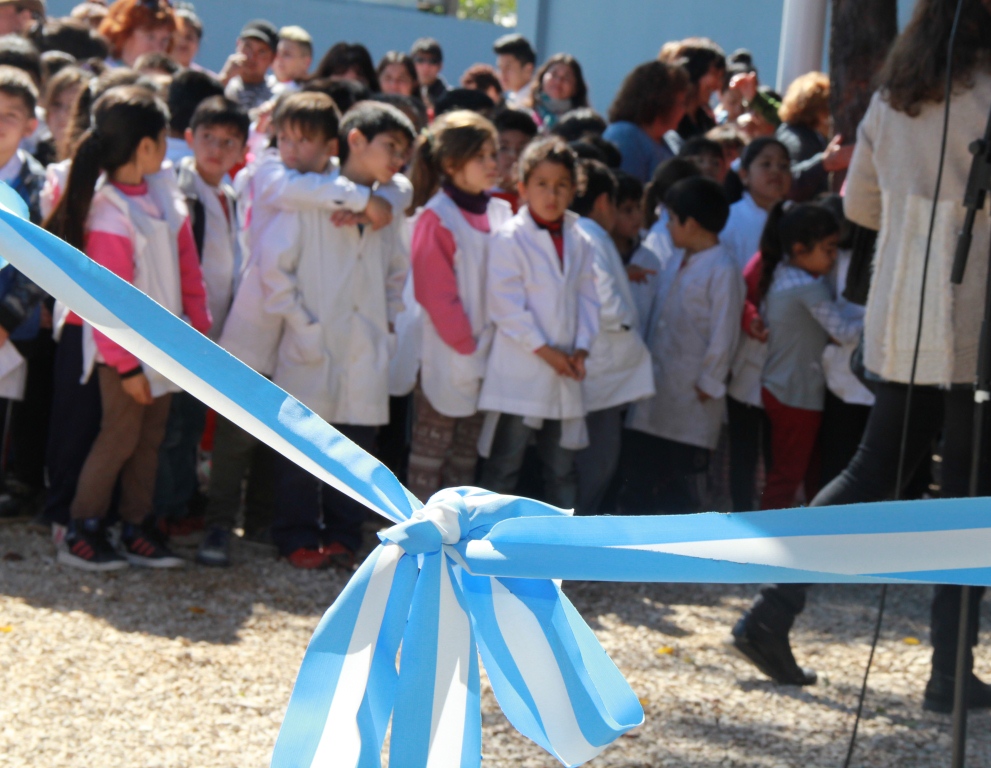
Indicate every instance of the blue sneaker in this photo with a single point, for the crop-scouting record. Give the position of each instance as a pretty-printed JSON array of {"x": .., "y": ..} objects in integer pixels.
[{"x": 215, "y": 549}]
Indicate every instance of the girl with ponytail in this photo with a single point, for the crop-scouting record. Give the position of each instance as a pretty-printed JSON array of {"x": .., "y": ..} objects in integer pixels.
[
  {"x": 127, "y": 214},
  {"x": 454, "y": 168}
]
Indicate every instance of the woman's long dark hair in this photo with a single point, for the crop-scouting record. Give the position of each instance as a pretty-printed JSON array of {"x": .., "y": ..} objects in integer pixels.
[
  {"x": 122, "y": 117},
  {"x": 788, "y": 225},
  {"x": 344, "y": 56},
  {"x": 915, "y": 70}
]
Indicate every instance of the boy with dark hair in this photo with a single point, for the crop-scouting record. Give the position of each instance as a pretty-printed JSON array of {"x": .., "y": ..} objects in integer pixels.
[
  {"x": 516, "y": 130},
  {"x": 217, "y": 137},
  {"x": 428, "y": 58},
  {"x": 339, "y": 290},
  {"x": 707, "y": 155},
  {"x": 579, "y": 124},
  {"x": 188, "y": 89},
  {"x": 515, "y": 62},
  {"x": 21, "y": 53},
  {"x": 642, "y": 265},
  {"x": 618, "y": 366},
  {"x": 692, "y": 344},
  {"x": 21, "y": 310}
]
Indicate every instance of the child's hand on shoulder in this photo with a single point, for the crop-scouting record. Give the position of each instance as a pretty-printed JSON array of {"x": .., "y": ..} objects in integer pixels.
[
  {"x": 377, "y": 214},
  {"x": 556, "y": 359},
  {"x": 702, "y": 396},
  {"x": 138, "y": 388}
]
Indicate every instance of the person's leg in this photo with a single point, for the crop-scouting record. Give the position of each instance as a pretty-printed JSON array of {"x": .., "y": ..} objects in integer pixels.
[
  {"x": 501, "y": 470},
  {"x": 958, "y": 431},
  {"x": 297, "y": 520},
  {"x": 232, "y": 451},
  {"x": 872, "y": 472},
  {"x": 596, "y": 465},
  {"x": 678, "y": 470},
  {"x": 176, "y": 481},
  {"x": 462, "y": 460},
  {"x": 120, "y": 431},
  {"x": 137, "y": 476},
  {"x": 30, "y": 416},
  {"x": 558, "y": 464},
  {"x": 259, "y": 496},
  {"x": 745, "y": 423},
  {"x": 843, "y": 426},
  {"x": 433, "y": 436},
  {"x": 393, "y": 442},
  {"x": 794, "y": 432},
  {"x": 640, "y": 487},
  {"x": 74, "y": 424},
  {"x": 342, "y": 515}
]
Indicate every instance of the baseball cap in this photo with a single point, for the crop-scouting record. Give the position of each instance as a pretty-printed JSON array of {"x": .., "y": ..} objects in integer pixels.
[{"x": 259, "y": 29}]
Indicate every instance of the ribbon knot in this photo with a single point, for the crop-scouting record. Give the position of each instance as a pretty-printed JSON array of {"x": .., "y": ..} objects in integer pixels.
[{"x": 444, "y": 520}]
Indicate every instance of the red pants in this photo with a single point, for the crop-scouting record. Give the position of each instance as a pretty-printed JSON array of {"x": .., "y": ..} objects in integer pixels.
[{"x": 794, "y": 455}]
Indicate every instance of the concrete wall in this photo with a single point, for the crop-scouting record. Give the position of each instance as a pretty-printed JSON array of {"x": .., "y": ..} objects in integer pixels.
[{"x": 608, "y": 37}]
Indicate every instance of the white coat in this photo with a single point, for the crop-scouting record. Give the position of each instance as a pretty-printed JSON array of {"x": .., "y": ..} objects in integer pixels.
[
  {"x": 451, "y": 381},
  {"x": 618, "y": 366},
  {"x": 535, "y": 300},
  {"x": 220, "y": 259},
  {"x": 741, "y": 235},
  {"x": 692, "y": 345},
  {"x": 264, "y": 189},
  {"x": 645, "y": 293},
  {"x": 338, "y": 289}
]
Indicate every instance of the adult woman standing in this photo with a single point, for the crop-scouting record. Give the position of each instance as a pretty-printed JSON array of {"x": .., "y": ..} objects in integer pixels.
[
  {"x": 806, "y": 128},
  {"x": 650, "y": 104},
  {"x": 558, "y": 87},
  {"x": 136, "y": 27},
  {"x": 890, "y": 187}
]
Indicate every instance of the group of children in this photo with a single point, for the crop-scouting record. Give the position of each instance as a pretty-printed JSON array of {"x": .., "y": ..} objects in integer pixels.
[{"x": 456, "y": 299}]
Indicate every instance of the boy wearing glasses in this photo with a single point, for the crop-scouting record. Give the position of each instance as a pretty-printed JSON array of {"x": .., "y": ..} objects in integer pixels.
[{"x": 429, "y": 61}]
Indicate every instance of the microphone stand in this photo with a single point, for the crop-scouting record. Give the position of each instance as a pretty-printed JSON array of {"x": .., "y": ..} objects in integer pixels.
[{"x": 978, "y": 186}]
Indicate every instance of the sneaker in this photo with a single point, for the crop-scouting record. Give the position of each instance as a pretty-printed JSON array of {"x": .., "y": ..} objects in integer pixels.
[
  {"x": 309, "y": 559},
  {"x": 145, "y": 546},
  {"x": 939, "y": 693},
  {"x": 339, "y": 556},
  {"x": 215, "y": 549},
  {"x": 770, "y": 652},
  {"x": 88, "y": 548}
]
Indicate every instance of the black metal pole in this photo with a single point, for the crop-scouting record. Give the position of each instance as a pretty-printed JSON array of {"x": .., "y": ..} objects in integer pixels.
[{"x": 978, "y": 185}]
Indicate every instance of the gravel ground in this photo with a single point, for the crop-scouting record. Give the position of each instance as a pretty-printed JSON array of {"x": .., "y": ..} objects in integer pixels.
[{"x": 194, "y": 668}]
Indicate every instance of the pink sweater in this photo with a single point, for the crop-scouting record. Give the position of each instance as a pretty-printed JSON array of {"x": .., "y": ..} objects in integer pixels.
[
  {"x": 434, "y": 282},
  {"x": 108, "y": 244}
]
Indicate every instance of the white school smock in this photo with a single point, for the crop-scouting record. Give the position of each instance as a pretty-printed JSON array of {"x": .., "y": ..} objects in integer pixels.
[
  {"x": 645, "y": 292},
  {"x": 741, "y": 235},
  {"x": 658, "y": 239},
  {"x": 264, "y": 189},
  {"x": 156, "y": 253},
  {"x": 451, "y": 381},
  {"x": 840, "y": 379},
  {"x": 618, "y": 366},
  {"x": 220, "y": 259},
  {"x": 535, "y": 300},
  {"x": 692, "y": 345},
  {"x": 338, "y": 289}
]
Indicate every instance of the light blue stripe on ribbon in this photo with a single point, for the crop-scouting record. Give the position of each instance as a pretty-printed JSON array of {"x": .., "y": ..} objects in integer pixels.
[{"x": 474, "y": 567}]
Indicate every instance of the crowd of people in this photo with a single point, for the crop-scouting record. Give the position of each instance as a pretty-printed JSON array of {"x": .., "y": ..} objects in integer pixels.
[{"x": 487, "y": 284}]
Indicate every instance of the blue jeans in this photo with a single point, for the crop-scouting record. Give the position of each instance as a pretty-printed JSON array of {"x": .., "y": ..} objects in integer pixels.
[
  {"x": 177, "y": 479},
  {"x": 502, "y": 469}
]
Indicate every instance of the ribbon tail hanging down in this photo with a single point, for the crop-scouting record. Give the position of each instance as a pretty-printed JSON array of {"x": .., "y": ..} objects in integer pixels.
[
  {"x": 552, "y": 678},
  {"x": 437, "y": 721},
  {"x": 186, "y": 357},
  {"x": 345, "y": 690}
]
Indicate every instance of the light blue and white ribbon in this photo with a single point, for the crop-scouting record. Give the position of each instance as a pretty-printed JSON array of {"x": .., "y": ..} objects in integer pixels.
[{"x": 473, "y": 572}]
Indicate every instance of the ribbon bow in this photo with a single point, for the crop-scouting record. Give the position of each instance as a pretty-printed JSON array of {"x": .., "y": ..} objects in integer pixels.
[
  {"x": 473, "y": 569},
  {"x": 553, "y": 680}
]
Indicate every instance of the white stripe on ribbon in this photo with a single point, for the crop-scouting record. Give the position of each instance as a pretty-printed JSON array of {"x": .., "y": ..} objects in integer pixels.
[
  {"x": 447, "y": 724},
  {"x": 340, "y": 742},
  {"x": 852, "y": 554},
  {"x": 527, "y": 643}
]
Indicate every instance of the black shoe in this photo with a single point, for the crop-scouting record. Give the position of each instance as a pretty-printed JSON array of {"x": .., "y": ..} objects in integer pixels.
[
  {"x": 88, "y": 548},
  {"x": 939, "y": 693},
  {"x": 144, "y": 545},
  {"x": 770, "y": 652},
  {"x": 215, "y": 549}
]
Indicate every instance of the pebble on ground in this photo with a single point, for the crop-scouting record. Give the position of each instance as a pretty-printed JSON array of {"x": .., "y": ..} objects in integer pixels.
[{"x": 194, "y": 668}]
